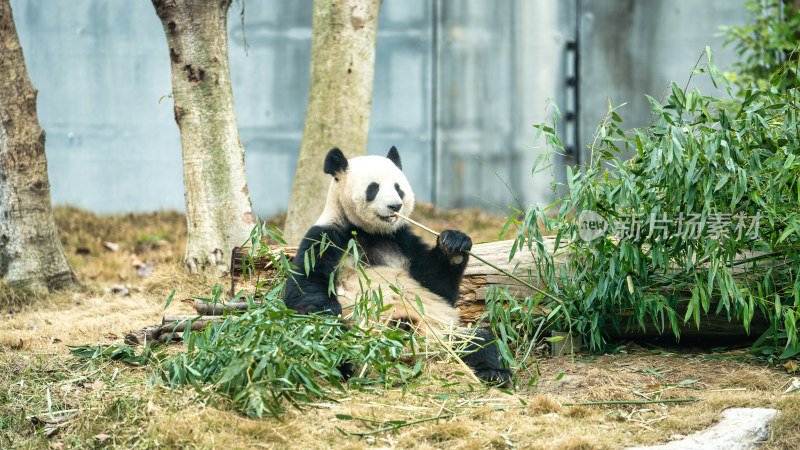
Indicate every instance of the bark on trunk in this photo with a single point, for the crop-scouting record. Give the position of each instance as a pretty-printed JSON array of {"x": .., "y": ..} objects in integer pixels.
[
  {"x": 31, "y": 254},
  {"x": 218, "y": 209},
  {"x": 339, "y": 101}
]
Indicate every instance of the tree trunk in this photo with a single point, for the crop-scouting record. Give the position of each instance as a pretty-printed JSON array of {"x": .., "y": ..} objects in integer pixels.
[
  {"x": 339, "y": 101},
  {"x": 31, "y": 254},
  {"x": 218, "y": 209}
]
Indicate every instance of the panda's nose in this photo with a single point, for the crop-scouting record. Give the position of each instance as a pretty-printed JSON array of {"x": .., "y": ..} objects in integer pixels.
[{"x": 395, "y": 207}]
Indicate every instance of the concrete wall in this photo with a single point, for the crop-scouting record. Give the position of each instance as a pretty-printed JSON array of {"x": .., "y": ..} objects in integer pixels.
[
  {"x": 101, "y": 68},
  {"x": 455, "y": 80},
  {"x": 630, "y": 47}
]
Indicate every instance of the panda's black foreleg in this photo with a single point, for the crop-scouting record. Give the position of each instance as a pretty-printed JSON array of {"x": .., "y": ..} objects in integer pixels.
[{"x": 482, "y": 356}]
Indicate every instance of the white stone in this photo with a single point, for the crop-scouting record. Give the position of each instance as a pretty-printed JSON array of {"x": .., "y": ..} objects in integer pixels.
[{"x": 740, "y": 428}]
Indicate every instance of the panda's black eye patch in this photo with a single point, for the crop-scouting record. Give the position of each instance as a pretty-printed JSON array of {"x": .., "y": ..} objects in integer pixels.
[
  {"x": 399, "y": 191},
  {"x": 372, "y": 191}
]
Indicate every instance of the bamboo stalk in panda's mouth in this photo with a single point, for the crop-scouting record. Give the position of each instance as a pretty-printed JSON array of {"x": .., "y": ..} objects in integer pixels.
[
  {"x": 504, "y": 272},
  {"x": 413, "y": 222}
]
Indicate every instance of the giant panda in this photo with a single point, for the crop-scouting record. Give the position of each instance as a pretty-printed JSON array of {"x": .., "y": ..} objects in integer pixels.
[{"x": 364, "y": 197}]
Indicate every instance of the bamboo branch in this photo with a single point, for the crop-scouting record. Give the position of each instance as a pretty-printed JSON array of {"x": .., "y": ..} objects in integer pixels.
[
  {"x": 634, "y": 402},
  {"x": 198, "y": 320},
  {"x": 395, "y": 427}
]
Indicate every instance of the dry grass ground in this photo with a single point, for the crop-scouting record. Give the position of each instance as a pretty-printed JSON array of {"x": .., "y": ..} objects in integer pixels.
[{"x": 116, "y": 405}]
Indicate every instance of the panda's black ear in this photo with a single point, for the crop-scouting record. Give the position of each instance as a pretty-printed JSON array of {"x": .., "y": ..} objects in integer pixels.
[
  {"x": 395, "y": 157},
  {"x": 335, "y": 162}
]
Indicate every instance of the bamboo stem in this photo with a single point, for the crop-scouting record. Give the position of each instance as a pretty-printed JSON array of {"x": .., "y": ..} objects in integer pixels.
[
  {"x": 401, "y": 425},
  {"x": 634, "y": 402}
]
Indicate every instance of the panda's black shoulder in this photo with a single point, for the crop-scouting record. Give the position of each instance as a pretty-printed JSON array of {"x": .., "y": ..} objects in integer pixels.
[
  {"x": 327, "y": 233},
  {"x": 365, "y": 237},
  {"x": 409, "y": 243}
]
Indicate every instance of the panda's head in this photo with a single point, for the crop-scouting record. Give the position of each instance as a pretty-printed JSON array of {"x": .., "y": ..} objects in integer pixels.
[{"x": 367, "y": 191}]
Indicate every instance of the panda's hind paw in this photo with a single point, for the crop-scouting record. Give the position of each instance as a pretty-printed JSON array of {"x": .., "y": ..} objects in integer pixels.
[
  {"x": 347, "y": 370},
  {"x": 499, "y": 377}
]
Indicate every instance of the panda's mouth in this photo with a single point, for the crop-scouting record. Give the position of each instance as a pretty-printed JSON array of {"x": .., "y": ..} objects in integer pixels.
[{"x": 389, "y": 219}]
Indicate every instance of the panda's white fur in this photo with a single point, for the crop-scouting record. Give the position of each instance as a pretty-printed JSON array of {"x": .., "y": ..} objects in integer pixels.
[
  {"x": 400, "y": 304},
  {"x": 346, "y": 200}
]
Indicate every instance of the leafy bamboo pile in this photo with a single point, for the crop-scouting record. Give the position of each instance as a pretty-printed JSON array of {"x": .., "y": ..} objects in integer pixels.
[
  {"x": 729, "y": 169},
  {"x": 270, "y": 356}
]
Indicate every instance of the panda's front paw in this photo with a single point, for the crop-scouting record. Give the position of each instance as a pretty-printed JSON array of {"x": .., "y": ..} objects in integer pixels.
[
  {"x": 454, "y": 244},
  {"x": 311, "y": 304}
]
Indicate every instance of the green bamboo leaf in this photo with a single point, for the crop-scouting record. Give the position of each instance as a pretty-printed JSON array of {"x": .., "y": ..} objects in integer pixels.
[
  {"x": 169, "y": 300},
  {"x": 420, "y": 308},
  {"x": 653, "y": 372},
  {"x": 786, "y": 233}
]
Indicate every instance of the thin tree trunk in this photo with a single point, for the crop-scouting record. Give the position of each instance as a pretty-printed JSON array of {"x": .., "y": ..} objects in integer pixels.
[
  {"x": 339, "y": 101},
  {"x": 218, "y": 209},
  {"x": 31, "y": 254},
  {"x": 794, "y": 6}
]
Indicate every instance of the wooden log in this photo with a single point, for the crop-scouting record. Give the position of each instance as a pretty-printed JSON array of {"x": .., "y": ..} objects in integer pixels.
[
  {"x": 140, "y": 337},
  {"x": 154, "y": 334},
  {"x": 246, "y": 274},
  {"x": 209, "y": 308},
  {"x": 480, "y": 277},
  {"x": 183, "y": 321},
  {"x": 170, "y": 325}
]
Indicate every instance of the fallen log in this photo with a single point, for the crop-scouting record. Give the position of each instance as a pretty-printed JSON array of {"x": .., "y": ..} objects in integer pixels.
[
  {"x": 215, "y": 308},
  {"x": 154, "y": 334},
  {"x": 182, "y": 321},
  {"x": 141, "y": 337},
  {"x": 246, "y": 274},
  {"x": 169, "y": 326},
  {"x": 479, "y": 278}
]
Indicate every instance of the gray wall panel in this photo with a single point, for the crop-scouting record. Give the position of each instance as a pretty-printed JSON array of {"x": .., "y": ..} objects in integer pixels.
[
  {"x": 630, "y": 48},
  {"x": 270, "y": 92},
  {"x": 402, "y": 100},
  {"x": 454, "y": 80},
  {"x": 101, "y": 69},
  {"x": 476, "y": 112}
]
